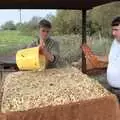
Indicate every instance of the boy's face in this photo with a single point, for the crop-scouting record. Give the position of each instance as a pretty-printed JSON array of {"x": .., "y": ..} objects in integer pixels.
[
  {"x": 116, "y": 32},
  {"x": 44, "y": 32}
]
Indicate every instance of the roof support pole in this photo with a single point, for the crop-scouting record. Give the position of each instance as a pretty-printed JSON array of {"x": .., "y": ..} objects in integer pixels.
[{"x": 84, "y": 11}]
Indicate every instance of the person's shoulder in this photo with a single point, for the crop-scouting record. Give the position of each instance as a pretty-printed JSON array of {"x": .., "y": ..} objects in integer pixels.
[
  {"x": 115, "y": 43},
  {"x": 115, "y": 46},
  {"x": 53, "y": 40}
]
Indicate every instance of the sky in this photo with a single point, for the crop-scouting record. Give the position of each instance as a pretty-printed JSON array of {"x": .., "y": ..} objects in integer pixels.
[{"x": 26, "y": 14}]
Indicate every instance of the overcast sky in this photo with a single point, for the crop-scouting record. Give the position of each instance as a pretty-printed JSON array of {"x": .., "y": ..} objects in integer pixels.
[{"x": 26, "y": 14}]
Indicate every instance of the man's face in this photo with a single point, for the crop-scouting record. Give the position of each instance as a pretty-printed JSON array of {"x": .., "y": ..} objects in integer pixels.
[
  {"x": 44, "y": 32},
  {"x": 116, "y": 32}
]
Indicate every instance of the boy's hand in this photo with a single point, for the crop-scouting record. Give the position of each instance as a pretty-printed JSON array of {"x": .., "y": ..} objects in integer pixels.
[
  {"x": 43, "y": 50},
  {"x": 42, "y": 47},
  {"x": 42, "y": 44}
]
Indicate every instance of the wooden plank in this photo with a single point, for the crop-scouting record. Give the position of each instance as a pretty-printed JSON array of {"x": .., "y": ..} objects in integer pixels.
[{"x": 84, "y": 11}]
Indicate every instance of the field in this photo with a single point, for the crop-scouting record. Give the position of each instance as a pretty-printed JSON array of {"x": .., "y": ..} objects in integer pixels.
[{"x": 12, "y": 40}]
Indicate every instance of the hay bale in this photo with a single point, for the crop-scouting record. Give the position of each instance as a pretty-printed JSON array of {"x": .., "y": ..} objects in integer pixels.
[{"x": 48, "y": 95}]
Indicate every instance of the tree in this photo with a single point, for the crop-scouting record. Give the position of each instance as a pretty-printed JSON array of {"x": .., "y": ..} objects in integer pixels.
[
  {"x": 33, "y": 23},
  {"x": 103, "y": 16},
  {"x": 30, "y": 27},
  {"x": 67, "y": 21},
  {"x": 9, "y": 26},
  {"x": 98, "y": 20}
]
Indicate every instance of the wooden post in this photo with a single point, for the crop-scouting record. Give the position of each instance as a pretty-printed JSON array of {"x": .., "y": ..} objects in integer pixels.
[
  {"x": 83, "y": 38},
  {"x": 1, "y": 73}
]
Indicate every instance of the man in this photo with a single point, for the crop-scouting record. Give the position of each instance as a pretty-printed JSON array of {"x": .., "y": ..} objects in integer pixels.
[
  {"x": 113, "y": 70},
  {"x": 48, "y": 46}
]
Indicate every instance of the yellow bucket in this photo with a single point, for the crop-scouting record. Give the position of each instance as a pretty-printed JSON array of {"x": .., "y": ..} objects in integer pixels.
[{"x": 30, "y": 59}]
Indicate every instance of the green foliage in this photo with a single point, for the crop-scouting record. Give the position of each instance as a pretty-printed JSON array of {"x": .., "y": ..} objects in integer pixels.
[
  {"x": 70, "y": 21},
  {"x": 12, "y": 40},
  {"x": 18, "y": 26},
  {"x": 29, "y": 28},
  {"x": 98, "y": 20},
  {"x": 67, "y": 22},
  {"x": 9, "y": 26},
  {"x": 103, "y": 15}
]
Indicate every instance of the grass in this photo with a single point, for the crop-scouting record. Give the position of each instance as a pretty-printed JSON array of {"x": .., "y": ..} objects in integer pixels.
[{"x": 12, "y": 40}]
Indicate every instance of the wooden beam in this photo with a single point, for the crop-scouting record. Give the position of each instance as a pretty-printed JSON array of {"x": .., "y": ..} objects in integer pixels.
[
  {"x": 52, "y": 4},
  {"x": 84, "y": 11}
]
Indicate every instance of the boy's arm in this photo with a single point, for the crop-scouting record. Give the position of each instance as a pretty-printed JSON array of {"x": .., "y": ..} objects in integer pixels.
[
  {"x": 52, "y": 56},
  {"x": 55, "y": 51}
]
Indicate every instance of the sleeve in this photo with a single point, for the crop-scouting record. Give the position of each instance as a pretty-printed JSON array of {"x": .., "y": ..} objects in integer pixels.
[{"x": 55, "y": 51}]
